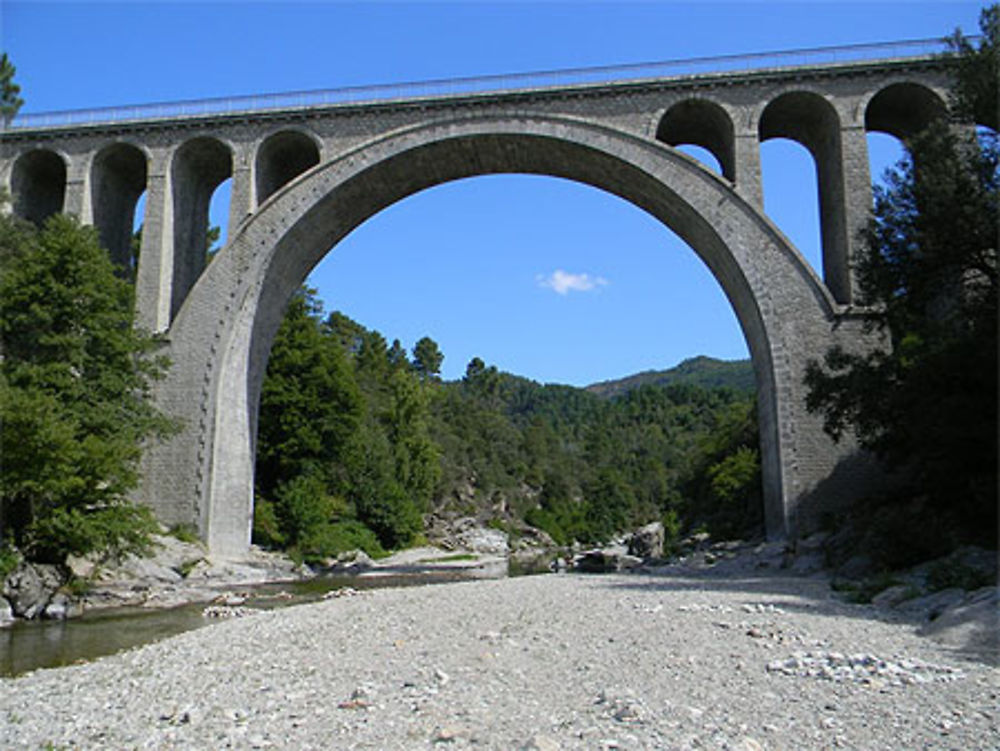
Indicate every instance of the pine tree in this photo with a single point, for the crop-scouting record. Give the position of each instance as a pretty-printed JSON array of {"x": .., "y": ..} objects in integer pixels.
[
  {"x": 10, "y": 101},
  {"x": 928, "y": 406},
  {"x": 75, "y": 378}
]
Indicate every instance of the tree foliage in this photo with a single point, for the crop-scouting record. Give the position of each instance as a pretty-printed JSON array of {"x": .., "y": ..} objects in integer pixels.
[
  {"x": 10, "y": 100},
  {"x": 343, "y": 455},
  {"x": 928, "y": 271},
  {"x": 581, "y": 466},
  {"x": 74, "y": 386},
  {"x": 977, "y": 70},
  {"x": 427, "y": 358}
]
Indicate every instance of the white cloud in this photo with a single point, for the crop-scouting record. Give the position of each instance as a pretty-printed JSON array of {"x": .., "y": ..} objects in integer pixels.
[{"x": 563, "y": 282}]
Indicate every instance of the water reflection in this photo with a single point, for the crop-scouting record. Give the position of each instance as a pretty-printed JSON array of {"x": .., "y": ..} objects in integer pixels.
[{"x": 30, "y": 645}]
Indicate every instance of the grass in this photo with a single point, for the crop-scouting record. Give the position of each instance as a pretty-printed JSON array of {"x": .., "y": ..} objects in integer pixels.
[{"x": 185, "y": 533}]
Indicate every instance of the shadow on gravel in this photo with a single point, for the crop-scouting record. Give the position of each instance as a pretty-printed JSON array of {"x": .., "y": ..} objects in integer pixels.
[{"x": 806, "y": 595}]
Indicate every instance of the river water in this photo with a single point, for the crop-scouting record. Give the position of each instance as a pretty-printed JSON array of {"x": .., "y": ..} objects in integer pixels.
[{"x": 30, "y": 645}]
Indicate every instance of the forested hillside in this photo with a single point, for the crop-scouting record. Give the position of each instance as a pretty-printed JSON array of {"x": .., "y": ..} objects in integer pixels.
[
  {"x": 698, "y": 371},
  {"x": 359, "y": 440}
]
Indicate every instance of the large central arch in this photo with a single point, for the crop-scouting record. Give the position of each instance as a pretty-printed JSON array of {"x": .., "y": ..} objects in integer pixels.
[{"x": 221, "y": 337}]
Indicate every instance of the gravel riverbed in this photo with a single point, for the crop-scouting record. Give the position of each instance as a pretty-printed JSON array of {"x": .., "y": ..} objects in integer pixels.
[{"x": 544, "y": 662}]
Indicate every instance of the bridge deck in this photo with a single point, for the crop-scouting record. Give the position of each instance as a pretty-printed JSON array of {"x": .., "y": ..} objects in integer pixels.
[{"x": 701, "y": 70}]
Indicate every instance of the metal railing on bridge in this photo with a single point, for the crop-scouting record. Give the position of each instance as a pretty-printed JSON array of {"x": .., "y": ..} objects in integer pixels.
[{"x": 441, "y": 88}]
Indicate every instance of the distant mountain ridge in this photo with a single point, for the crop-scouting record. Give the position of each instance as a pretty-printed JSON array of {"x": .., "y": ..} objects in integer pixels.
[{"x": 703, "y": 371}]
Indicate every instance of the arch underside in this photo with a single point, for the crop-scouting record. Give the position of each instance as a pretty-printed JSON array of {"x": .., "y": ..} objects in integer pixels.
[{"x": 223, "y": 332}]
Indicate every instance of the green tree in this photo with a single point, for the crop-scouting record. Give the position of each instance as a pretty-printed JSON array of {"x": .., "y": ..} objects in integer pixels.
[
  {"x": 10, "y": 101},
  {"x": 608, "y": 506},
  {"x": 397, "y": 356},
  {"x": 75, "y": 377},
  {"x": 427, "y": 358},
  {"x": 418, "y": 464},
  {"x": 928, "y": 405},
  {"x": 381, "y": 501},
  {"x": 310, "y": 405},
  {"x": 974, "y": 93}
]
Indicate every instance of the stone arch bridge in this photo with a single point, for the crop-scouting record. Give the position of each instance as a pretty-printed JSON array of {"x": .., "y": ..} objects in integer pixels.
[{"x": 304, "y": 174}]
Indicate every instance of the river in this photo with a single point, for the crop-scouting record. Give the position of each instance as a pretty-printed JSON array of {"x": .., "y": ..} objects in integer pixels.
[{"x": 30, "y": 645}]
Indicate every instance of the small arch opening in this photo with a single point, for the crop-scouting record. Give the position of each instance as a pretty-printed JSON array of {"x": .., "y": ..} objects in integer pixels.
[
  {"x": 791, "y": 196},
  {"x": 281, "y": 158},
  {"x": 703, "y": 155},
  {"x": 697, "y": 122},
  {"x": 118, "y": 178},
  {"x": 218, "y": 219},
  {"x": 903, "y": 110},
  {"x": 38, "y": 184},
  {"x": 810, "y": 120},
  {"x": 884, "y": 152},
  {"x": 199, "y": 167}
]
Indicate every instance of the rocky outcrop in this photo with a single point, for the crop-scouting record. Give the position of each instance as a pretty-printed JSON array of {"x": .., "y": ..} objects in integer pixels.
[
  {"x": 466, "y": 533},
  {"x": 971, "y": 624},
  {"x": 30, "y": 587},
  {"x": 61, "y": 607},
  {"x": 605, "y": 560},
  {"x": 647, "y": 542}
]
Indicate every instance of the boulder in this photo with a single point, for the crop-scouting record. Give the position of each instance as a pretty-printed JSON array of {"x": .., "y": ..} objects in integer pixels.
[
  {"x": 647, "y": 542},
  {"x": 858, "y": 566},
  {"x": 350, "y": 562},
  {"x": 605, "y": 561},
  {"x": 931, "y": 606},
  {"x": 892, "y": 596},
  {"x": 469, "y": 534},
  {"x": 149, "y": 569},
  {"x": 29, "y": 588},
  {"x": 61, "y": 607},
  {"x": 81, "y": 567},
  {"x": 814, "y": 543},
  {"x": 972, "y": 624},
  {"x": 807, "y": 563},
  {"x": 770, "y": 555}
]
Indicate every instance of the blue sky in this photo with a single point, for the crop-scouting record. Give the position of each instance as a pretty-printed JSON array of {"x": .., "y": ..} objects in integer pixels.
[{"x": 542, "y": 277}]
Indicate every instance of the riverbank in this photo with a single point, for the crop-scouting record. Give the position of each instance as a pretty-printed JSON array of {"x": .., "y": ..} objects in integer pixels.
[
  {"x": 178, "y": 572},
  {"x": 663, "y": 660}
]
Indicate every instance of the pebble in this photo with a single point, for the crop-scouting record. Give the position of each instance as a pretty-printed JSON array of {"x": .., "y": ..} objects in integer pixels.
[
  {"x": 863, "y": 668},
  {"x": 227, "y": 611},
  {"x": 574, "y": 662}
]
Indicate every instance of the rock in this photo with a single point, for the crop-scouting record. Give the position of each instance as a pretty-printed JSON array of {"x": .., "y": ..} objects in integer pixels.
[
  {"x": 607, "y": 560},
  {"x": 858, "y": 566},
  {"x": 61, "y": 607},
  {"x": 931, "y": 606},
  {"x": 226, "y": 611},
  {"x": 807, "y": 563},
  {"x": 769, "y": 555},
  {"x": 449, "y": 734},
  {"x": 230, "y": 599},
  {"x": 647, "y": 542},
  {"x": 972, "y": 624},
  {"x": 814, "y": 543},
  {"x": 6, "y": 613},
  {"x": 30, "y": 587},
  {"x": 80, "y": 567},
  {"x": 541, "y": 743},
  {"x": 350, "y": 562},
  {"x": 892, "y": 596},
  {"x": 149, "y": 569},
  {"x": 468, "y": 534}
]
